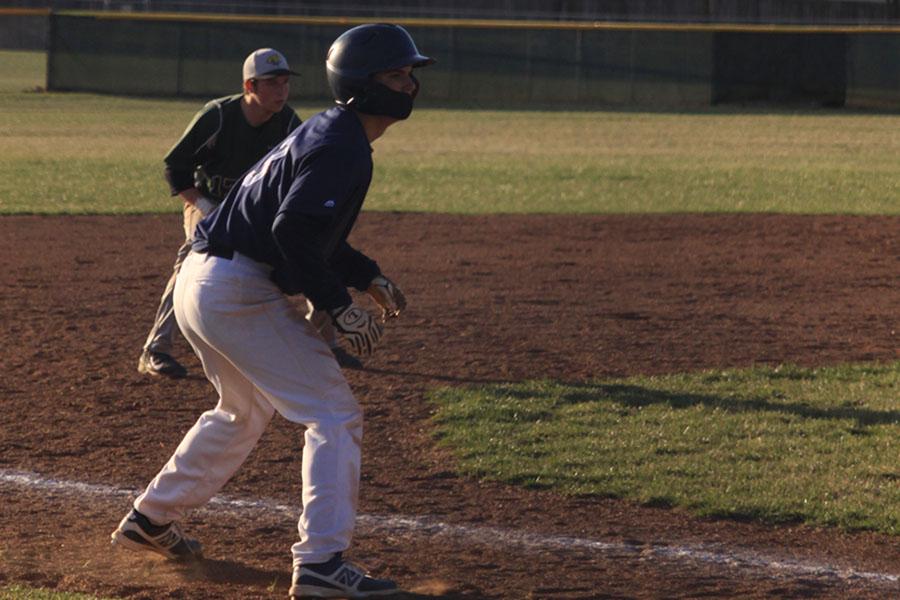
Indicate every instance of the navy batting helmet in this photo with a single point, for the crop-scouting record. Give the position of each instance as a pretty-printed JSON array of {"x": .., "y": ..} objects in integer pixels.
[{"x": 358, "y": 54}]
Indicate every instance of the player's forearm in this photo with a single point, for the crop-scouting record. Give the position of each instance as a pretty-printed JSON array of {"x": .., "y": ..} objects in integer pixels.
[
  {"x": 355, "y": 268},
  {"x": 297, "y": 238},
  {"x": 179, "y": 179}
]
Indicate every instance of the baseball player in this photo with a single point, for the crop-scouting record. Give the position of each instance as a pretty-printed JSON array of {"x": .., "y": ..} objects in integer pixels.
[
  {"x": 282, "y": 230},
  {"x": 222, "y": 141}
]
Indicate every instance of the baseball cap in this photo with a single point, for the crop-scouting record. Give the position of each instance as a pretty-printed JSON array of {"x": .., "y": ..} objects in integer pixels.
[{"x": 266, "y": 63}]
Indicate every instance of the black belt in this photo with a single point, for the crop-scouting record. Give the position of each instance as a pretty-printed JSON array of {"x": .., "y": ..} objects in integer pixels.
[{"x": 226, "y": 253}]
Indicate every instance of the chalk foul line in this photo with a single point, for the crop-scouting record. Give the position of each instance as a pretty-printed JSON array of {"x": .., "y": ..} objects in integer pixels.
[{"x": 491, "y": 536}]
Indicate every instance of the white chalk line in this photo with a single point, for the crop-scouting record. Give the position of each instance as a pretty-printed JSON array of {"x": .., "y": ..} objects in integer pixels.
[{"x": 491, "y": 536}]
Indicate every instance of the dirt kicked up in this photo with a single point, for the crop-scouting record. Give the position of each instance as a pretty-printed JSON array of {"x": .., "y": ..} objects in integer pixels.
[{"x": 491, "y": 299}]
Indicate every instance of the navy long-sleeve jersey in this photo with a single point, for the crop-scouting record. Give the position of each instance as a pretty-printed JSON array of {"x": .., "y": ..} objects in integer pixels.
[{"x": 294, "y": 209}]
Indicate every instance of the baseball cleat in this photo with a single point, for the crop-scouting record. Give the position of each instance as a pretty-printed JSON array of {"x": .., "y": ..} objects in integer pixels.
[
  {"x": 337, "y": 578},
  {"x": 345, "y": 359},
  {"x": 136, "y": 532},
  {"x": 160, "y": 363}
]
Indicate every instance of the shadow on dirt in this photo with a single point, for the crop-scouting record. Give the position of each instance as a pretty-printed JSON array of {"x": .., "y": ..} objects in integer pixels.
[
  {"x": 437, "y": 377},
  {"x": 230, "y": 572}
]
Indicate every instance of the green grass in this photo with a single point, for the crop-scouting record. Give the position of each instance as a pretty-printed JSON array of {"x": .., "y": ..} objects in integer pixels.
[
  {"x": 776, "y": 445},
  {"x": 633, "y": 162},
  {"x": 22, "y": 71},
  {"x": 84, "y": 153},
  {"x": 17, "y": 592},
  {"x": 77, "y": 153}
]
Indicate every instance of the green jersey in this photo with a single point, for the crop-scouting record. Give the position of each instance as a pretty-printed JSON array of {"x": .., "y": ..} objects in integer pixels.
[{"x": 219, "y": 145}]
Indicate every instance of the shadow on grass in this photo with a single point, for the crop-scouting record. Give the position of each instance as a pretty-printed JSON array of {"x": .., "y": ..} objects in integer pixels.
[{"x": 637, "y": 396}]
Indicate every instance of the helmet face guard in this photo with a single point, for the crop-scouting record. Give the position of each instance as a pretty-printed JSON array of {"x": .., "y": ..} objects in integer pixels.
[
  {"x": 379, "y": 99},
  {"x": 358, "y": 54}
]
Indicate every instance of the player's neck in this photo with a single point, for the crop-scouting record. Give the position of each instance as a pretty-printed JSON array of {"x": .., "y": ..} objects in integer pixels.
[
  {"x": 374, "y": 125},
  {"x": 254, "y": 113}
]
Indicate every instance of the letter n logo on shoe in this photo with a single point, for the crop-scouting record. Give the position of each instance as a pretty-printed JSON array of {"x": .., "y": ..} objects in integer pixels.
[
  {"x": 168, "y": 539},
  {"x": 348, "y": 577}
]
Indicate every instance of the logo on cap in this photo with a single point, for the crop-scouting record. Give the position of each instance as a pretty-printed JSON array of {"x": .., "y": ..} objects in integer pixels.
[{"x": 264, "y": 63}]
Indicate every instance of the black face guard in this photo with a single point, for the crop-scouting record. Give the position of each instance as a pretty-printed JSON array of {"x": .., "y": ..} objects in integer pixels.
[{"x": 378, "y": 99}]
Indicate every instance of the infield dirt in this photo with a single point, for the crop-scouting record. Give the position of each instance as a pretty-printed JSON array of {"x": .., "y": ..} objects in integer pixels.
[{"x": 491, "y": 299}]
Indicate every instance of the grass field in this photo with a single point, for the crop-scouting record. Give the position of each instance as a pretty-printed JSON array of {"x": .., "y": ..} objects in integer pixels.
[
  {"x": 22, "y": 71},
  {"x": 777, "y": 445},
  {"x": 83, "y": 153},
  {"x": 16, "y": 592}
]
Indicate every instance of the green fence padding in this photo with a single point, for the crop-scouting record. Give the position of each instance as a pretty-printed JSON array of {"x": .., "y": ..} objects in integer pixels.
[
  {"x": 489, "y": 66},
  {"x": 175, "y": 58},
  {"x": 476, "y": 66},
  {"x": 778, "y": 67},
  {"x": 23, "y": 31},
  {"x": 873, "y": 74}
]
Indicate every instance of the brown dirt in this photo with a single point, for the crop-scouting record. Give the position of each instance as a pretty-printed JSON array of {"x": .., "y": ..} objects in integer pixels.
[{"x": 492, "y": 299}]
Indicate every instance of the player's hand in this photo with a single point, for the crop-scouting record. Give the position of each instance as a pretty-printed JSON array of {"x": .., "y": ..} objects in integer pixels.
[
  {"x": 358, "y": 327},
  {"x": 204, "y": 205},
  {"x": 388, "y": 296}
]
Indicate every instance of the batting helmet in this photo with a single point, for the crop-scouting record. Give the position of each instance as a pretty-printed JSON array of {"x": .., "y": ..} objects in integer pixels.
[{"x": 358, "y": 54}]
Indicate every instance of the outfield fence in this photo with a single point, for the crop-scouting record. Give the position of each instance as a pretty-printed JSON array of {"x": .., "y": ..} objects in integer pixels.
[
  {"x": 491, "y": 63},
  {"x": 23, "y": 28},
  {"x": 810, "y": 12}
]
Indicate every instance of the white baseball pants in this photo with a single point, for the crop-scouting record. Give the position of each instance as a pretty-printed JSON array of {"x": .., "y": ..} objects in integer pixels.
[{"x": 262, "y": 356}]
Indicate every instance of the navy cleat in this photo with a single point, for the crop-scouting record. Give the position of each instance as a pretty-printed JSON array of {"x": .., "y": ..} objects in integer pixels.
[
  {"x": 136, "y": 532},
  {"x": 337, "y": 578},
  {"x": 345, "y": 359}
]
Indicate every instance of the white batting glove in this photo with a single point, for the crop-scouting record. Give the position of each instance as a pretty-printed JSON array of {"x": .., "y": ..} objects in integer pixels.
[
  {"x": 204, "y": 205},
  {"x": 388, "y": 296},
  {"x": 358, "y": 327}
]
